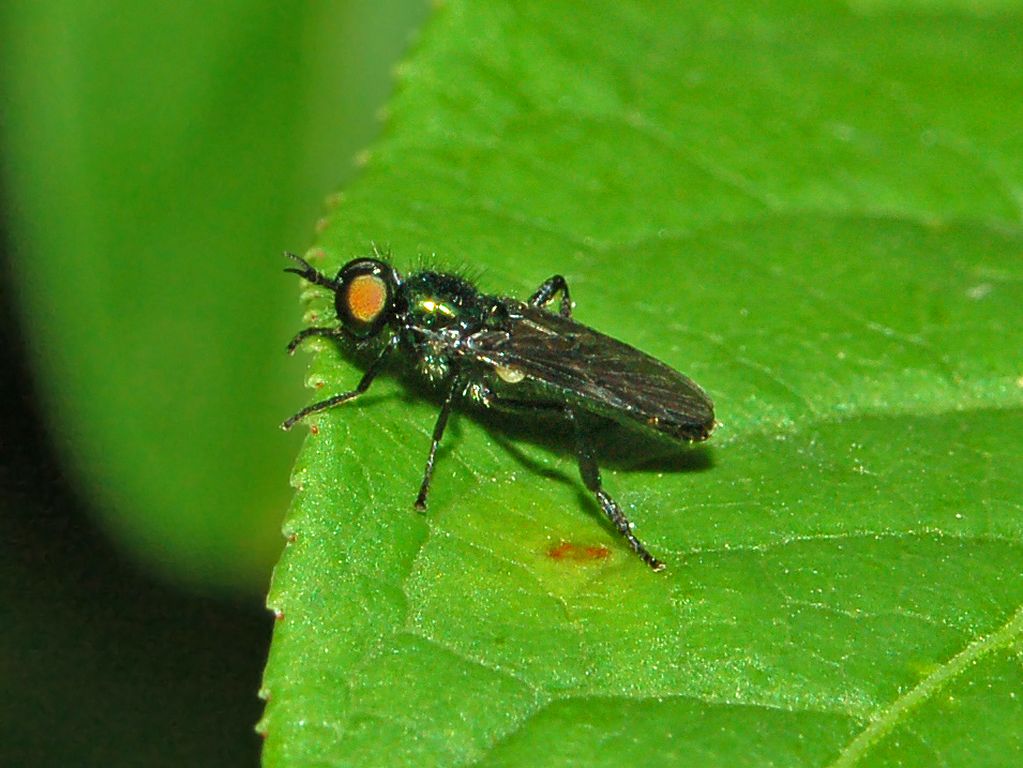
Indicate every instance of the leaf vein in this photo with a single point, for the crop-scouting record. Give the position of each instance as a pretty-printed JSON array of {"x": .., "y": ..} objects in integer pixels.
[{"x": 899, "y": 710}]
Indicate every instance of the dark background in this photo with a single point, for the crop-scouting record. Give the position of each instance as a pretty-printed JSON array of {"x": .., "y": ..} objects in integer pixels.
[{"x": 101, "y": 663}]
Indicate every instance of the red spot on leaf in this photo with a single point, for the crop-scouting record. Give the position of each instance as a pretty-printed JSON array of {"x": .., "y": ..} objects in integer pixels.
[
  {"x": 313, "y": 429},
  {"x": 566, "y": 550}
]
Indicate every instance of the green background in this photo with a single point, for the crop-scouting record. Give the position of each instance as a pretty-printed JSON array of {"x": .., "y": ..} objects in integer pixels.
[{"x": 157, "y": 168}]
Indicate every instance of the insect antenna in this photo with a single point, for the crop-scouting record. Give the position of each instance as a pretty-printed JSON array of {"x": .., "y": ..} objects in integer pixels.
[{"x": 307, "y": 272}]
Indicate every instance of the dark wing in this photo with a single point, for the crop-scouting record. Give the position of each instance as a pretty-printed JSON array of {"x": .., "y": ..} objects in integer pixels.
[{"x": 598, "y": 372}]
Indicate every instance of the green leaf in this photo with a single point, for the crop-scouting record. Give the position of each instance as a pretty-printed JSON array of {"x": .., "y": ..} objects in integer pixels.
[{"x": 815, "y": 212}]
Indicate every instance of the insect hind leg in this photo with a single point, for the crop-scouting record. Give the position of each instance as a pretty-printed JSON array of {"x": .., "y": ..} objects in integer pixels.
[
  {"x": 588, "y": 470},
  {"x": 590, "y": 473},
  {"x": 550, "y": 288}
]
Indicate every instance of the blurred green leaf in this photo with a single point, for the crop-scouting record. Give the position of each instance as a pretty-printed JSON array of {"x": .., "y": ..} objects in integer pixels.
[
  {"x": 158, "y": 160},
  {"x": 815, "y": 212}
]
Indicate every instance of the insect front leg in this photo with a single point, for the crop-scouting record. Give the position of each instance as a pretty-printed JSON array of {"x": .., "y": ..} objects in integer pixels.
[
  {"x": 548, "y": 290},
  {"x": 303, "y": 335},
  {"x": 591, "y": 479},
  {"x": 367, "y": 379},
  {"x": 457, "y": 386}
]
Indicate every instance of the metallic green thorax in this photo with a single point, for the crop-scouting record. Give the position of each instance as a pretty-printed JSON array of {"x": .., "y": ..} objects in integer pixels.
[{"x": 439, "y": 309}]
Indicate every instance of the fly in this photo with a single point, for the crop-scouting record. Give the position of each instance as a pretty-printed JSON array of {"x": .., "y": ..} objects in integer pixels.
[{"x": 506, "y": 354}]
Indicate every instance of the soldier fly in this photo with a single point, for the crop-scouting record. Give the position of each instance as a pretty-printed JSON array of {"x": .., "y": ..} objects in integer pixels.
[{"x": 506, "y": 354}]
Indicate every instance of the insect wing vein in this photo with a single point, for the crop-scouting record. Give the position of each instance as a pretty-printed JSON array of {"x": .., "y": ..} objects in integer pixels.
[{"x": 604, "y": 373}]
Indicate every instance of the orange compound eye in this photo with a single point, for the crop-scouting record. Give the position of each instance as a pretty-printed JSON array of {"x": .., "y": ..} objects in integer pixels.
[{"x": 366, "y": 298}]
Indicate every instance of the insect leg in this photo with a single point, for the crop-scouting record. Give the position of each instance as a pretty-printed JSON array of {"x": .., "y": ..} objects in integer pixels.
[
  {"x": 438, "y": 432},
  {"x": 367, "y": 379},
  {"x": 589, "y": 471},
  {"x": 591, "y": 479},
  {"x": 303, "y": 335},
  {"x": 532, "y": 406},
  {"x": 548, "y": 290}
]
